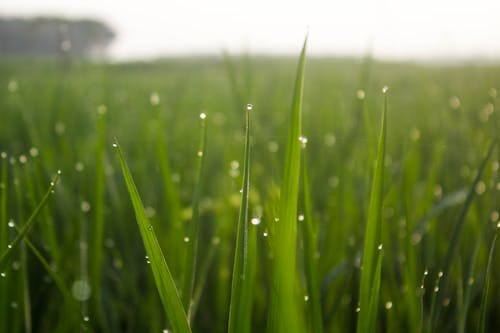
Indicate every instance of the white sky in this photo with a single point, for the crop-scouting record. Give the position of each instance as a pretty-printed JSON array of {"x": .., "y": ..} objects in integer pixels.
[{"x": 402, "y": 29}]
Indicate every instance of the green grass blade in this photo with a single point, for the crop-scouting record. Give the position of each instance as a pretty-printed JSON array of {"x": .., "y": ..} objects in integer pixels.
[
  {"x": 163, "y": 279},
  {"x": 375, "y": 292},
  {"x": 310, "y": 258},
  {"x": 193, "y": 233},
  {"x": 367, "y": 318},
  {"x": 240, "y": 310},
  {"x": 284, "y": 314},
  {"x": 456, "y": 234},
  {"x": 6, "y": 255},
  {"x": 97, "y": 228},
  {"x": 486, "y": 288},
  {"x": 4, "y": 239}
]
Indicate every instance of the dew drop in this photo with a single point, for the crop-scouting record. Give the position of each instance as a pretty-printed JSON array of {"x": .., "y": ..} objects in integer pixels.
[
  {"x": 303, "y": 141},
  {"x": 436, "y": 289},
  {"x": 59, "y": 172},
  {"x": 255, "y": 221},
  {"x": 249, "y": 107},
  {"x": 23, "y": 159},
  {"x": 358, "y": 309},
  {"x": 203, "y": 116},
  {"x": 11, "y": 224},
  {"x": 388, "y": 305},
  {"x": 306, "y": 298},
  {"x": 426, "y": 272},
  {"x": 9, "y": 246},
  {"x": 3, "y": 274},
  {"x": 81, "y": 290},
  {"x": 199, "y": 153},
  {"x": 101, "y": 110},
  {"x": 115, "y": 145},
  {"x": 86, "y": 318},
  {"x": 381, "y": 246},
  {"x": 360, "y": 94},
  {"x": 440, "y": 274},
  {"x": 235, "y": 165},
  {"x": 385, "y": 89},
  {"x": 276, "y": 219},
  {"x": 186, "y": 239},
  {"x": 300, "y": 217},
  {"x": 85, "y": 206},
  {"x": 265, "y": 234},
  {"x": 4, "y": 155},
  {"x": 79, "y": 166},
  {"x": 52, "y": 183}
]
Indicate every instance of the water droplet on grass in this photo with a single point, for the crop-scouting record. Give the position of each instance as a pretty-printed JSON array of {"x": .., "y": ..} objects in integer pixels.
[
  {"x": 360, "y": 94},
  {"x": 385, "y": 89},
  {"x": 4, "y": 154},
  {"x": 380, "y": 247},
  {"x": 388, "y": 305},
  {"x": 11, "y": 224},
  {"x": 203, "y": 116},
  {"x": 249, "y": 107},
  {"x": 303, "y": 141},
  {"x": 199, "y": 153},
  {"x": 186, "y": 239},
  {"x": 306, "y": 298},
  {"x": 81, "y": 290},
  {"x": 86, "y": 318},
  {"x": 300, "y": 217},
  {"x": 9, "y": 246},
  {"x": 3, "y": 274},
  {"x": 255, "y": 221},
  {"x": 115, "y": 145},
  {"x": 23, "y": 159},
  {"x": 85, "y": 206}
]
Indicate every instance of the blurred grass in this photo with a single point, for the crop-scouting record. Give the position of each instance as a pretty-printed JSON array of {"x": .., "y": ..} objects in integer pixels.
[{"x": 441, "y": 119}]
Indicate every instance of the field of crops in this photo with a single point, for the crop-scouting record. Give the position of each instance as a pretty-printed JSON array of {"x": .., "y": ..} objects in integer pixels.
[{"x": 286, "y": 194}]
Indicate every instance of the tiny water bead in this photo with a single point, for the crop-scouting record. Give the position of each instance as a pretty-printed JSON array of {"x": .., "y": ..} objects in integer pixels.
[
  {"x": 388, "y": 305},
  {"x": 255, "y": 220},
  {"x": 23, "y": 159},
  {"x": 81, "y": 290},
  {"x": 306, "y": 298},
  {"x": 101, "y": 110},
  {"x": 59, "y": 172},
  {"x": 203, "y": 116},
  {"x": 86, "y": 318},
  {"x": 154, "y": 99},
  {"x": 85, "y": 206},
  {"x": 265, "y": 234},
  {"x": 115, "y": 145},
  {"x": 381, "y": 246},
  {"x": 303, "y": 141},
  {"x": 3, "y": 274},
  {"x": 300, "y": 218},
  {"x": 79, "y": 166},
  {"x": 199, "y": 153},
  {"x": 249, "y": 107},
  {"x": 3, "y": 154},
  {"x": 186, "y": 239},
  {"x": 11, "y": 224},
  {"x": 385, "y": 89},
  {"x": 360, "y": 94}
]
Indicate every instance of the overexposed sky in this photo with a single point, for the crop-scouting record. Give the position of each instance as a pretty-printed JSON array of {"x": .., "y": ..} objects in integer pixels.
[{"x": 394, "y": 29}]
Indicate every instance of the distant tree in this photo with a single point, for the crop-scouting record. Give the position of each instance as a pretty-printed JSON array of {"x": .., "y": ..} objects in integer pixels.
[{"x": 50, "y": 36}]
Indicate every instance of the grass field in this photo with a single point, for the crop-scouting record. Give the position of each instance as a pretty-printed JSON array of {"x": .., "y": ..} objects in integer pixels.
[{"x": 386, "y": 221}]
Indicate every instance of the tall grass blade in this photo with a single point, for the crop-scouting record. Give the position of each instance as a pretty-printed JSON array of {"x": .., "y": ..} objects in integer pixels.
[
  {"x": 486, "y": 288},
  {"x": 456, "y": 235},
  {"x": 240, "y": 309},
  {"x": 97, "y": 227},
  {"x": 370, "y": 273},
  {"x": 284, "y": 314},
  {"x": 310, "y": 258},
  {"x": 193, "y": 233},
  {"x": 7, "y": 254},
  {"x": 163, "y": 279},
  {"x": 4, "y": 239}
]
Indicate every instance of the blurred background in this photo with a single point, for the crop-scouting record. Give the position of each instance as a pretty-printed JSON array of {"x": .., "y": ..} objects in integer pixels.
[{"x": 131, "y": 30}]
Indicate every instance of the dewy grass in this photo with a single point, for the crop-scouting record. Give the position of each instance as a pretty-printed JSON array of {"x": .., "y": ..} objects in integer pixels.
[
  {"x": 313, "y": 298},
  {"x": 456, "y": 235},
  {"x": 486, "y": 288},
  {"x": 240, "y": 310},
  {"x": 164, "y": 282},
  {"x": 284, "y": 311},
  {"x": 370, "y": 274},
  {"x": 7, "y": 254},
  {"x": 193, "y": 232}
]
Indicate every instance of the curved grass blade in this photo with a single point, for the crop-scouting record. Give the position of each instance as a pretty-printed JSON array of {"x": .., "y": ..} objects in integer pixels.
[
  {"x": 163, "y": 279},
  {"x": 193, "y": 233},
  {"x": 284, "y": 313},
  {"x": 310, "y": 259},
  {"x": 456, "y": 234},
  {"x": 370, "y": 274},
  {"x": 6, "y": 255},
  {"x": 240, "y": 309},
  {"x": 486, "y": 289}
]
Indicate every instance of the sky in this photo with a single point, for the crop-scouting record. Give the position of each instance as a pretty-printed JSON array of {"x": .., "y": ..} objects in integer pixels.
[{"x": 389, "y": 29}]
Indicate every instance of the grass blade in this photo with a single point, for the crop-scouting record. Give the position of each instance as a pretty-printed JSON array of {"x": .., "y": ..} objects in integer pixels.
[
  {"x": 487, "y": 281},
  {"x": 6, "y": 255},
  {"x": 193, "y": 233},
  {"x": 240, "y": 310},
  {"x": 163, "y": 279},
  {"x": 370, "y": 274},
  {"x": 310, "y": 258},
  {"x": 456, "y": 235},
  {"x": 284, "y": 314}
]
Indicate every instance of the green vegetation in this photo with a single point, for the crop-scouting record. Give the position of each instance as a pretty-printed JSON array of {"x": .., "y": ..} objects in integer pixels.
[{"x": 276, "y": 225}]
